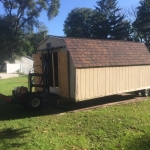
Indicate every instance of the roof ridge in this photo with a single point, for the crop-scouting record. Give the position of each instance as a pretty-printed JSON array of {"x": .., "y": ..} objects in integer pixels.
[
  {"x": 65, "y": 37},
  {"x": 113, "y": 40}
]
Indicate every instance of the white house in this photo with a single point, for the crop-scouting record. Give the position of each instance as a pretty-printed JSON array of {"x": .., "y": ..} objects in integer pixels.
[{"x": 22, "y": 65}]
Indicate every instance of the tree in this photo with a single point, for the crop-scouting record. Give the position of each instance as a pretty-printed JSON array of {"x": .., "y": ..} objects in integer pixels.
[
  {"x": 142, "y": 22},
  {"x": 108, "y": 22},
  {"x": 31, "y": 41},
  {"x": 20, "y": 17},
  {"x": 25, "y": 12},
  {"x": 7, "y": 43},
  {"x": 131, "y": 13},
  {"x": 76, "y": 24}
]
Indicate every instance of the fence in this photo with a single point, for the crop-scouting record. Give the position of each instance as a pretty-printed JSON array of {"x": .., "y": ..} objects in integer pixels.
[
  {"x": 18, "y": 68},
  {"x": 13, "y": 68}
]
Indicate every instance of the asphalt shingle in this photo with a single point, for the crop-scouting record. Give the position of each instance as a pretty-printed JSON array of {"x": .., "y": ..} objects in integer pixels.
[{"x": 103, "y": 53}]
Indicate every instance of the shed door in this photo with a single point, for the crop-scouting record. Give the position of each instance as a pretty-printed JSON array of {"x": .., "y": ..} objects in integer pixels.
[
  {"x": 53, "y": 69},
  {"x": 53, "y": 72},
  {"x": 37, "y": 69},
  {"x": 63, "y": 74}
]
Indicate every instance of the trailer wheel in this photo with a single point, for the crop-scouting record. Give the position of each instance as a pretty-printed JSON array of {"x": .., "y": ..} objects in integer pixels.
[
  {"x": 34, "y": 101},
  {"x": 145, "y": 92}
]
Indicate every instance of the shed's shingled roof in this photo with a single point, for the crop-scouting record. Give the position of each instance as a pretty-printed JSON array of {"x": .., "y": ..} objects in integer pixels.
[{"x": 98, "y": 53}]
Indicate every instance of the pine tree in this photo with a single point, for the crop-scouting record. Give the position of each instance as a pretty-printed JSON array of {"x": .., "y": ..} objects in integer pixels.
[
  {"x": 142, "y": 23},
  {"x": 108, "y": 22}
]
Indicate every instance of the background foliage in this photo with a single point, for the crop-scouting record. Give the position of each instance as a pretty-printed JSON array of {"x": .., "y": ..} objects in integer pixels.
[
  {"x": 109, "y": 21},
  {"x": 18, "y": 24},
  {"x": 21, "y": 31}
]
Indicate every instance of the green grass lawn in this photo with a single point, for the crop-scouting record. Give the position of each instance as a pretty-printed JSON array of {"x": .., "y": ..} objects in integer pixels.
[
  {"x": 7, "y": 85},
  {"x": 125, "y": 127}
]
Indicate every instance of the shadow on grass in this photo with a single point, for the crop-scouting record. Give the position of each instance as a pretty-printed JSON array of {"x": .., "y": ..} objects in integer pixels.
[
  {"x": 142, "y": 143},
  {"x": 16, "y": 111},
  {"x": 9, "y": 134}
]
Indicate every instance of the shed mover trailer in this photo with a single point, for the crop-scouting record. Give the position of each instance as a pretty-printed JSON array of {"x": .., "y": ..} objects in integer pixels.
[{"x": 81, "y": 69}]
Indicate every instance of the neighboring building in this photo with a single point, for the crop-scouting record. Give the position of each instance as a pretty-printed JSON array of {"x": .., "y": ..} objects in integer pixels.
[
  {"x": 84, "y": 69},
  {"x": 2, "y": 67},
  {"x": 21, "y": 65}
]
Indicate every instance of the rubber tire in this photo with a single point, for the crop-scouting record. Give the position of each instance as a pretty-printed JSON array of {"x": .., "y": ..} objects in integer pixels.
[
  {"x": 145, "y": 92},
  {"x": 34, "y": 101}
]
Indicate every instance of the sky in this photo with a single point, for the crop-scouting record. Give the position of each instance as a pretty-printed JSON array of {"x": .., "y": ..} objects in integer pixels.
[{"x": 55, "y": 26}]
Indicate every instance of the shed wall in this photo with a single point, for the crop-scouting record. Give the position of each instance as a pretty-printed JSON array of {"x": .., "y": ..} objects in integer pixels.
[
  {"x": 97, "y": 82},
  {"x": 55, "y": 42},
  {"x": 72, "y": 79},
  {"x": 63, "y": 74},
  {"x": 37, "y": 69}
]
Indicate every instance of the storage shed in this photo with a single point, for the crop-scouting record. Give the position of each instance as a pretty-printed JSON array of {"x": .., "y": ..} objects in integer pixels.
[{"x": 82, "y": 69}]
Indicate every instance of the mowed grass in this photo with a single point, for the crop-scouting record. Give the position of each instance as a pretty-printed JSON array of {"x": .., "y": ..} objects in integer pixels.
[
  {"x": 7, "y": 85},
  {"x": 125, "y": 127}
]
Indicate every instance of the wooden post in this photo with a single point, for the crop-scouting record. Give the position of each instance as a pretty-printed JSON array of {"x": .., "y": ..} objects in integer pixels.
[{"x": 53, "y": 68}]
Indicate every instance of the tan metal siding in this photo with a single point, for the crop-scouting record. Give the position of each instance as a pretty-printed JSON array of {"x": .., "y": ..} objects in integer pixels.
[
  {"x": 113, "y": 81},
  {"x": 126, "y": 79},
  {"x": 90, "y": 81},
  {"x": 55, "y": 42},
  {"x": 98, "y": 82},
  {"x": 130, "y": 79},
  {"x": 102, "y": 77},
  {"x": 82, "y": 86},
  {"x": 107, "y": 80},
  {"x": 95, "y": 77},
  {"x": 87, "y": 84}
]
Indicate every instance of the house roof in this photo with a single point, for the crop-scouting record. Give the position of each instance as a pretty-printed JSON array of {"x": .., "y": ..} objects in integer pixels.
[{"x": 102, "y": 53}]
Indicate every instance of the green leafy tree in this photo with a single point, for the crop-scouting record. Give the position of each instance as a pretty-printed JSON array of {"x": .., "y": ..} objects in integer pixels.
[
  {"x": 104, "y": 22},
  {"x": 77, "y": 23},
  {"x": 108, "y": 22},
  {"x": 31, "y": 41},
  {"x": 142, "y": 23},
  {"x": 9, "y": 47},
  {"x": 21, "y": 13},
  {"x": 20, "y": 17},
  {"x": 28, "y": 47}
]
